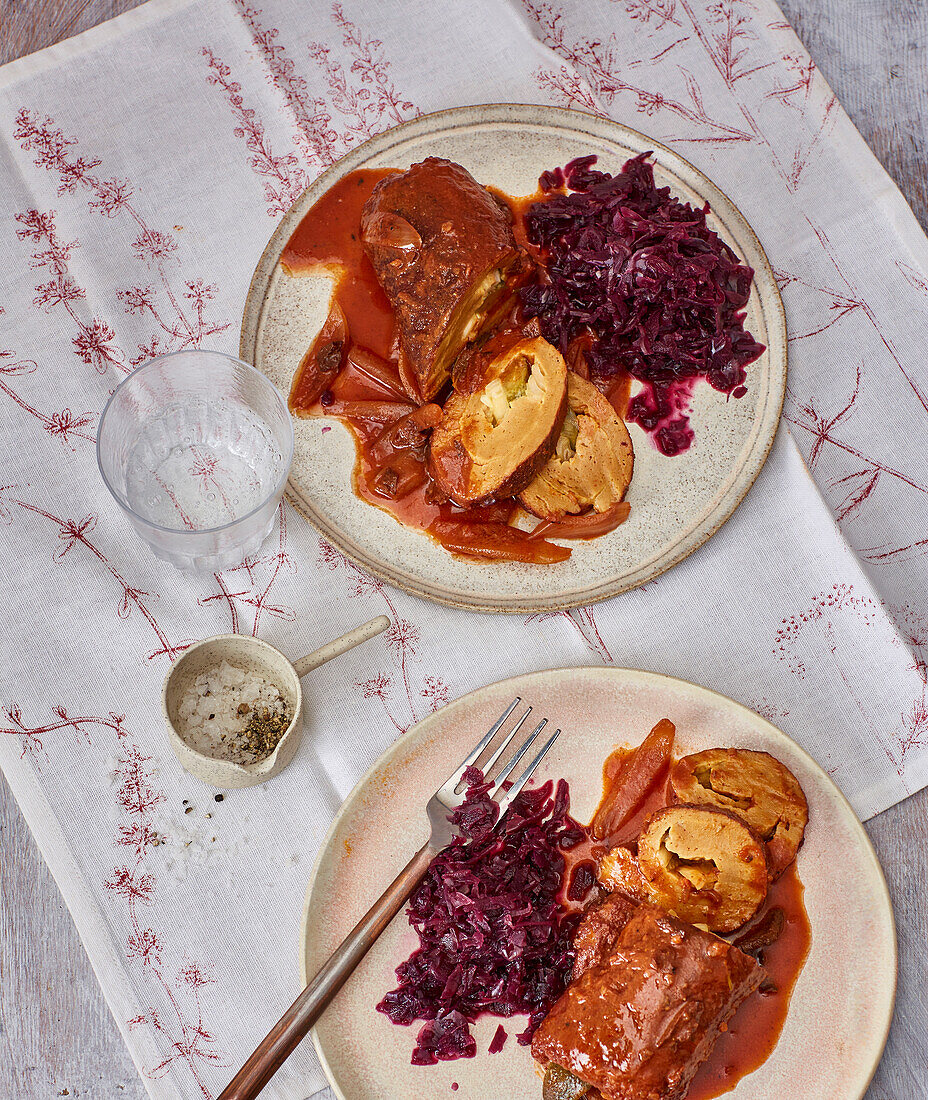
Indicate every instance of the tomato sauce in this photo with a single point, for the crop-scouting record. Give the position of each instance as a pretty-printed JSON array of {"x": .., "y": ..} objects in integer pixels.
[
  {"x": 754, "y": 1030},
  {"x": 328, "y": 240}
]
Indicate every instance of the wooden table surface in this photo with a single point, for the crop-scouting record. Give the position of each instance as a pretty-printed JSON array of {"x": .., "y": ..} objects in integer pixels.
[{"x": 56, "y": 1034}]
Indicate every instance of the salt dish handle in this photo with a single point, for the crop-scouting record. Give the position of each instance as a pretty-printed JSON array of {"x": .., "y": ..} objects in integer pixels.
[
  {"x": 285, "y": 1035},
  {"x": 341, "y": 645}
]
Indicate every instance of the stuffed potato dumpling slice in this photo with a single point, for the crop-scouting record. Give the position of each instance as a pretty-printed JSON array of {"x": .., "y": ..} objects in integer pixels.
[
  {"x": 756, "y": 787},
  {"x": 704, "y": 865},
  {"x": 592, "y": 463},
  {"x": 491, "y": 442}
]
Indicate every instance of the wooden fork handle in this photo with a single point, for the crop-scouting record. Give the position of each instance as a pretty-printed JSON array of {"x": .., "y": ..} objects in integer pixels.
[{"x": 284, "y": 1036}]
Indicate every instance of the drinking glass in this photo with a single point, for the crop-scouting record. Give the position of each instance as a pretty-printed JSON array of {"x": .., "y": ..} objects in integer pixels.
[{"x": 196, "y": 447}]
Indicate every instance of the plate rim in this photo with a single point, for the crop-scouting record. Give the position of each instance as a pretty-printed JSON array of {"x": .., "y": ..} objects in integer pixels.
[
  {"x": 631, "y": 675},
  {"x": 256, "y": 301}
]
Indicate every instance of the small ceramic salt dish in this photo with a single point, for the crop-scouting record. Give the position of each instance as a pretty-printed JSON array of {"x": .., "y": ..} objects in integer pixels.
[{"x": 260, "y": 660}]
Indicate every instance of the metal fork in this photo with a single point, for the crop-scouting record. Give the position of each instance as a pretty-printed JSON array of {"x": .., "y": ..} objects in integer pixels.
[{"x": 282, "y": 1039}]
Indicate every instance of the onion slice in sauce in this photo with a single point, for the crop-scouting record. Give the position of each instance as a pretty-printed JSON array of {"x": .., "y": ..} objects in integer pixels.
[
  {"x": 495, "y": 542},
  {"x": 377, "y": 370},
  {"x": 371, "y": 412},
  {"x": 587, "y": 526},
  {"x": 323, "y": 361}
]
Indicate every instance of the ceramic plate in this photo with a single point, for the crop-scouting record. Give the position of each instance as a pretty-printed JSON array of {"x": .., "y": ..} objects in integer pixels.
[
  {"x": 842, "y": 1002},
  {"x": 677, "y": 503}
]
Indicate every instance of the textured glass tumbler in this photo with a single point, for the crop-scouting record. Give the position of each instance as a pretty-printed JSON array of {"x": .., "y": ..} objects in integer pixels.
[{"x": 196, "y": 447}]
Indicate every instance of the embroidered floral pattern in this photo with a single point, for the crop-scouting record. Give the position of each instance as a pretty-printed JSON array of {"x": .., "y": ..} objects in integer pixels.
[
  {"x": 73, "y": 533},
  {"x": 283, "y": 178},
  {"x": 583, "y": 620},
  {"x": 179, "y": 1024},
  {"x": 395, "y": 690},
  {"x": 179, "y": 325}
]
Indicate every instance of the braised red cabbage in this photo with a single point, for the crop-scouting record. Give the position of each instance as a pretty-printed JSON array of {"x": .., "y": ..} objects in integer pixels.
[
  {"x": 492, "y": 935},
  {"x": 661, "y": 295}
]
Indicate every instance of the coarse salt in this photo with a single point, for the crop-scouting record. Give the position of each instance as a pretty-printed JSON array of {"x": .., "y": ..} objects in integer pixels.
[{"x": 214, "y": 712}]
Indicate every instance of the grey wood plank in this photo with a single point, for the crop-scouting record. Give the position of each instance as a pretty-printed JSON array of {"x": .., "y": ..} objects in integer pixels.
[
  {"x": 29, "y": 25},
  {"x": 56, "y": 1033},
  {"x": 57, "y": 1037},
  {"x": 874, "y": 54},
  {"x": 899, "y": 836}
]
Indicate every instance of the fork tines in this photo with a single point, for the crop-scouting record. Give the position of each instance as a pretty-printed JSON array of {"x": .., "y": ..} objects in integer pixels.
[{"x": 500, "y": 794}]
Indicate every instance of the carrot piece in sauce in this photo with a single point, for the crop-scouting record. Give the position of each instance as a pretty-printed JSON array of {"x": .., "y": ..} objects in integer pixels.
[
  {"x": 588, "y": 526},
  {"x": 637, "y": 777}
]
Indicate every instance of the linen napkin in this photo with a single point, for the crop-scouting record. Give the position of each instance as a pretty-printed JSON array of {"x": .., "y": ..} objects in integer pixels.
[{"x": 144, "y": 165}]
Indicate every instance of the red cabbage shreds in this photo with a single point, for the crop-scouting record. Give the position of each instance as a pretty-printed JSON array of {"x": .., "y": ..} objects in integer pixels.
[
  {"x": 492, "y": 935},
  {"x": 498, "y": 1041},
  {"x": 661, "y": 294}
]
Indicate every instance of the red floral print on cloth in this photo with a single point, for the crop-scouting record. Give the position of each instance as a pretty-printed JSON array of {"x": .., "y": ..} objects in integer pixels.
[
  {"x": 593, "y": 77},
  {"x": 259, "y": 572},
  {"x": 315, "y": 135},
  {"x": 819, "y": 429},
  {"x": 248, "y": 586},
  {"x": 817, "y": 629},
  {"x": 707, "y": 76},
  {"x": 913, "y": 628},
  {"x": 400, "y": 703},
  {"x": 839, "y": 305},
  {"x": 65, "y": 425},
  {"x": 914, "y": 278},
  {"x": 73, "y": 533},
  {"x": 94, "y": 343},
  {"x": 186, "y": 325},
  {"x": 914, "y": 728},
  {"x": 858, "y": 485},
  {"x": 363, "y": 94},
  {"x": 179, "y": 1024},
  {"x": 361, "y": 101},
  {"x": 31, "y": 736},
  {"x": 592, "y": 81},
  {"x": 178, "y": 1021},
  {"x": 283, "y": 178},
  {"x": 583, "y": 620},
  {"x": 181, "y": 322},
  {"x": 773, "y": 712}
]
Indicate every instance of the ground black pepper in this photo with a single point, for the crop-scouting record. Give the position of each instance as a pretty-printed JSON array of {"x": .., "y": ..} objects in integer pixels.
[{"x": 264, "y": 730}]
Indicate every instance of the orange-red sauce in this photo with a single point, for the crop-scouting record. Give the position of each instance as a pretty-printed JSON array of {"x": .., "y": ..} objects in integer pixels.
[
  {"x": 755, "y": 1028},
  {"x": 327, "y": 241}
]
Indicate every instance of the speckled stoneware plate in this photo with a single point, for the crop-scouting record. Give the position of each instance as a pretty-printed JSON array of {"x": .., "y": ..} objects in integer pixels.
[
  {"x": 677, "y": 503},
  {"x": 842, "y": 1003}
]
